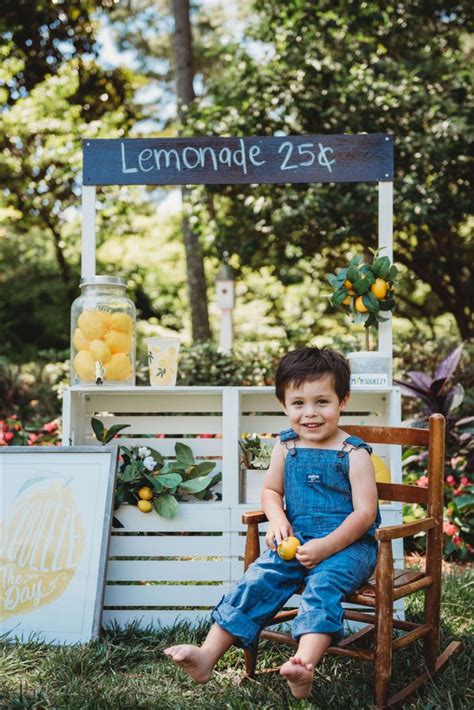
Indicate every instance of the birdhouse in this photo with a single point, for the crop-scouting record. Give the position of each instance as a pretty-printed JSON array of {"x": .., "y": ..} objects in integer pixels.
[{"x": 225, "y": 287}]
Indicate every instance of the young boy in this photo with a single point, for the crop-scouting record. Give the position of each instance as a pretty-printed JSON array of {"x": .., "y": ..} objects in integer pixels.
[{"x": 320, "y": 487}]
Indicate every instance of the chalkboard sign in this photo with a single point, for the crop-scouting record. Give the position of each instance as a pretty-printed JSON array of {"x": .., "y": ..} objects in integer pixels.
[{"x": 258, "y": 159}]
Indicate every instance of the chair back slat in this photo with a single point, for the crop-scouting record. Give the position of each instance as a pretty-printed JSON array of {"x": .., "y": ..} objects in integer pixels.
[
  {"x": 402, "y": 493},
  {"x": 389, "y": 435}
]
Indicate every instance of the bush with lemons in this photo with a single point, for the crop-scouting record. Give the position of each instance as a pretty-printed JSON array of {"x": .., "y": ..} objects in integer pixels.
[
  {"x": 367, "y": 289},
  {"x": 101, "y": 336}
]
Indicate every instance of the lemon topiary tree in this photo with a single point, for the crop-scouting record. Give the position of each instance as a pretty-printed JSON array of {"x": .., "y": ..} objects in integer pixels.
[{"x": 366, "y": 290}]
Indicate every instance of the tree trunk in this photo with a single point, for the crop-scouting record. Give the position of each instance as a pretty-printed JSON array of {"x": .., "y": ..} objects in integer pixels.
[{"x": 185, "y": 96}]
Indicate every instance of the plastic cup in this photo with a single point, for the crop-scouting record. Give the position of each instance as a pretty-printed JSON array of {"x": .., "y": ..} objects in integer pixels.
[{"x": 163, "y": 361}]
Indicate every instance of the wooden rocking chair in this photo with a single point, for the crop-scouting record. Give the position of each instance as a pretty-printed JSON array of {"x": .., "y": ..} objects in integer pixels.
[{"x": 387, "y": 584}]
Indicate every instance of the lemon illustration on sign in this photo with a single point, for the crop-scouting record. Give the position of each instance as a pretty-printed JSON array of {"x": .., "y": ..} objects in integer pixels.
[
  {"x": 118, "y": 342},
  {"x": 42, "y": 543},
  {"x": 382, "y": 472},
  {"x": 145, "y": 493},
  {"x": 287, "y": 548},
  {"x": 92, "y": 324},
  {"x": 118, "y": 368},
  {"x": 100, "y": 351},
  {"x": 145, "y": 506},
  {"x": 79, "y": 341},
  {"x": 122, "y": 322},
  {"x": 84, "y": 365}
]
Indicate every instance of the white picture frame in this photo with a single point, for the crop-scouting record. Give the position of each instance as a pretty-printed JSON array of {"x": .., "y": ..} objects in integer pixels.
[{"x": 55, "y": 520}]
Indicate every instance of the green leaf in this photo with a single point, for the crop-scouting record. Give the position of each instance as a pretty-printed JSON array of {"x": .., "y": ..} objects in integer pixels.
[
  {"x": 166, "y": 506},
  {"x": 360, "y": 318},
  {"x": 113, "y": 431},
  {"x": 392, "y": 274},
  {"x": 333, "y": 280},
  {"x": 98, "y": 428},
  {"x": 339, "y": 296},
  {"x": 464, "y": 502},
  {"x": 202, "y": 469},
  {"x": 194, "y": 485},
  {"x": 126, "y": 474},
  {"x": 361, "y": 286},
  {"x": 387, "y": 304},
  {"x": 170, "y": 480},
  {"x": 352, "y": 274},
  {"x": 184, "y": 455},
  {"x": 370, "y": 302}
]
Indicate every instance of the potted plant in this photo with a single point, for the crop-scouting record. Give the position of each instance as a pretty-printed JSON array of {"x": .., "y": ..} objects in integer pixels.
[
  {"x": 145, "y": 480},
  {"x": 255, "y": 460},
  {"x": 366, "y": 290}
]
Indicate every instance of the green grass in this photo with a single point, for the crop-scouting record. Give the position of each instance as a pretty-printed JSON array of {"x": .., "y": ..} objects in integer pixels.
[{"x": 126, "y": 669}]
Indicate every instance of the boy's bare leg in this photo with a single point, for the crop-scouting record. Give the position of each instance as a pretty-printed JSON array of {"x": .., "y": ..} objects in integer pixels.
[
  {"x": 299, "y": 669},
  {"x": 198, "y": 661}
]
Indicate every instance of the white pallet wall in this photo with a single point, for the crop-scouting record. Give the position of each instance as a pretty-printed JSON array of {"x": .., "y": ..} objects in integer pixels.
[{"x": 162, "y": 571}]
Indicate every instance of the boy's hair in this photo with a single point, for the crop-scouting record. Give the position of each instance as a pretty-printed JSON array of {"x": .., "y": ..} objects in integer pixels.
[{"x": 308, "y": 364}]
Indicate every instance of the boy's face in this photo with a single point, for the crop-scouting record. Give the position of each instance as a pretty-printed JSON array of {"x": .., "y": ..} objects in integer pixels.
[{"x": 313, "y": 409}]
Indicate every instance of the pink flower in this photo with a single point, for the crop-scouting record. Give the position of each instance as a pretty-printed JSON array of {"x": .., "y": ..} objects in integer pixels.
[
  {"x": 450, "y": 480},
  {"x": 422, "y": 482},
  {"x": 8, "y": 436},
  {"x": 450, "y": 529},
  {"x": 32, "y": 439},
  {"x": 464, "y": 481},
  {"x": 51, "y": 427}
]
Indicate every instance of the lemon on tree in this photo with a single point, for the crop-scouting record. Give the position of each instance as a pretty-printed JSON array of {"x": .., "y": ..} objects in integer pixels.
[
  {"x": 145, "y": 506},
  {"x": 145, "y": 493},
  {"x": 379, "y": 288},
  {"x": 287, "y": 548}
]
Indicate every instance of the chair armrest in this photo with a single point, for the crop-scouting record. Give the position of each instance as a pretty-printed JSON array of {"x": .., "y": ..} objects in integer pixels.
[
  {"x": 254, "y": 516},
  {"x": 393, "y": 532}
]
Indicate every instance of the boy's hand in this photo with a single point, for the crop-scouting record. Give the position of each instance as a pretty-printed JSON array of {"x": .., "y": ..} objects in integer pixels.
[
  {"x": 311, "y": 553},
  {"x": 277, "y": 531}
]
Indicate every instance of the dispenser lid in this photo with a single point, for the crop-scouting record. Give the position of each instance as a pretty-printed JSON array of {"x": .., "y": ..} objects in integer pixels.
[{"x": 101, "y": 281}]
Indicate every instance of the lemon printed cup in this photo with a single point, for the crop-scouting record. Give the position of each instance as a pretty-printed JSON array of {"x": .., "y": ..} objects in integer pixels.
[{"x": 163, "y": 361}]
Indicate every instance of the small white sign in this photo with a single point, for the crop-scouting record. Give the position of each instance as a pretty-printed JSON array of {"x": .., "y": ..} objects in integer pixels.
[{"x": 368, "y": 379}]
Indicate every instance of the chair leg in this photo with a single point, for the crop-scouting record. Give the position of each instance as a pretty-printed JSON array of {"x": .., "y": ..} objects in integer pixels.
[
  {"x": 432, "y": 617},
  {"x": 250, "y": 658},
  {"x": 383, "y": 624}
]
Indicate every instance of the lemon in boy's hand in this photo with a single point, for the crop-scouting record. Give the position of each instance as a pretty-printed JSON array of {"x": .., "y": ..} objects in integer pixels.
[
  {"x": 287, "y": 548},
  {"x": 145, "y": 493},
  {"x": 145, "y": 506}
]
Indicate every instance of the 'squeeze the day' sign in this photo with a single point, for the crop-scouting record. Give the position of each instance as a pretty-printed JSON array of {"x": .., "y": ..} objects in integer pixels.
[{"x": 258, "y": 159}]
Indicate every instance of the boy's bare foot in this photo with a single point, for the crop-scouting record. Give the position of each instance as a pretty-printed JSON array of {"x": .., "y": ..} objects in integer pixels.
[
  {"x": 299, "y": 676},
  {"x": 192, "y": 660}
]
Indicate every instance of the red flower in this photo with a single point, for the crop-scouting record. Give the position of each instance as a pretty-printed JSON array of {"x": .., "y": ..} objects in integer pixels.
[
  {"x": 422, "y": 482},
  {"x": 464, "y": 481},
  {"x": 450, "y": 480},
  {"x": 8, "y": 436}
]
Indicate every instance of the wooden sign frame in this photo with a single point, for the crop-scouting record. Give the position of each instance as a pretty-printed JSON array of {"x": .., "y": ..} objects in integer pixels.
[
  {"x": 55, "y": 523},
  {"x": 249, "y": 160}
]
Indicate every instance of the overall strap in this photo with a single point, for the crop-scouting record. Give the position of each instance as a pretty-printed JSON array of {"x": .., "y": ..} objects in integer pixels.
[
  {"x": 288, "y": 439},
  {"x": 354, "y": 442}
]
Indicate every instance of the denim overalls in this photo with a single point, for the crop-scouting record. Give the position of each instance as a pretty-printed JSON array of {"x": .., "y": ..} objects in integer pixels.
[{"x": 318, "y": 499}]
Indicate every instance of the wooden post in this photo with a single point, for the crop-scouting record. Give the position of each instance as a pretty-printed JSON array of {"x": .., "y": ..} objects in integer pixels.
[
  {"x": 383, "y": 623},
  {"x": 434, "y": 537}
]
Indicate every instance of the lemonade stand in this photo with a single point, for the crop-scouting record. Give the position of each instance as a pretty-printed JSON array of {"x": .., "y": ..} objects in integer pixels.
[{"x": 155, "y": 574}]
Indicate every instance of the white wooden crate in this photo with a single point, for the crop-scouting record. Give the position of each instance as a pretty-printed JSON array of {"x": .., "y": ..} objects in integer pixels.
[{"x": 161, "y": 571}]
